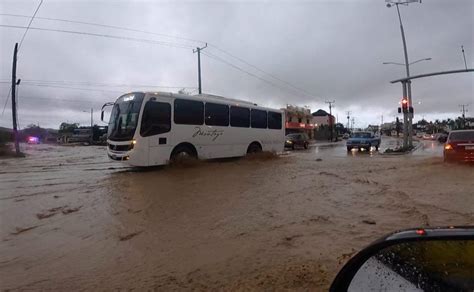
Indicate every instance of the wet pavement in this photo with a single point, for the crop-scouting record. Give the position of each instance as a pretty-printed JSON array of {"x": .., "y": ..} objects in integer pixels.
[{"x": 71, "y": 219}]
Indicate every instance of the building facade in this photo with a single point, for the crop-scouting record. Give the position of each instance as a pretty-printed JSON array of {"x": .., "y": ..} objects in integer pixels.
[{"x": 298, "y": 120}]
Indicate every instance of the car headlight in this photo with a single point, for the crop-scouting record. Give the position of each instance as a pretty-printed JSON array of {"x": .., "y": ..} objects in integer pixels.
[{"x": 289, "y": 142}]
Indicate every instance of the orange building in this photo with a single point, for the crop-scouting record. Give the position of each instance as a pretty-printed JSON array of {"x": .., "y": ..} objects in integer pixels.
[{"x": 298, "y": 120}]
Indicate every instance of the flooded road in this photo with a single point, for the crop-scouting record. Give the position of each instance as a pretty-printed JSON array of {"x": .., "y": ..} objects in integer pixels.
[{"x": 72, "y": 219}]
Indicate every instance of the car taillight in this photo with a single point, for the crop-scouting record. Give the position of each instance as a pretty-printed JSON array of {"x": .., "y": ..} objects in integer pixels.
[{"x": 448, "y": 147}]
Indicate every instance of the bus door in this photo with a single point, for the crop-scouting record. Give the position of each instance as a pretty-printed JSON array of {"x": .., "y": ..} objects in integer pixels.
[{"x": 156, "y": 127}]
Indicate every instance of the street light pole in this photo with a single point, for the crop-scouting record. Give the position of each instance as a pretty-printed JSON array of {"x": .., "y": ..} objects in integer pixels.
[{"x": 406, "y": 91}]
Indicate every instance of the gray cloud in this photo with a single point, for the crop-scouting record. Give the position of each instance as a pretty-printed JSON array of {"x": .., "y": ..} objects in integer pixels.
[{"x": 332, "y": 49}]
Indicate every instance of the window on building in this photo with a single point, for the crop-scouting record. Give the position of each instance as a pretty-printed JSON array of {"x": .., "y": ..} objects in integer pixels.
[
  {"x": 274, "y": 120},
  {"x": 156, "y": 118},
  {"x": 188, "y": 112},
  {"x": 300, "y": 120},
  {"x": 258, "y": 119},
  {"x": 217, "y": 114},
  {"x": 239, "y": 117}
]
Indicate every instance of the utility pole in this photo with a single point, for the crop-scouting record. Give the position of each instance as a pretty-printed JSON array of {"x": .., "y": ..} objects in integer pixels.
[
  {"x": 464, "y": 56},
  {"x": 464, "y": 111},
  {"x": 198, "y": 50},
  {"x": 348, "y": 113},
  {"x": 353, "y": 123},
  {"x": 381, "y": 123},
  {"x": 14, "y": 114},
  {"x": 330, "y": 119},
  {"x": 92, "y": 125}
]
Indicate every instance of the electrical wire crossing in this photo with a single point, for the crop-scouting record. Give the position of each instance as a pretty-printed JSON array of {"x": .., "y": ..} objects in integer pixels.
[{"x": 272, "y": 76}]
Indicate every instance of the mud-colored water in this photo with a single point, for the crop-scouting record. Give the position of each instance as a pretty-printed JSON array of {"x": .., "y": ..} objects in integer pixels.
[{"x": 71, "y": 219}]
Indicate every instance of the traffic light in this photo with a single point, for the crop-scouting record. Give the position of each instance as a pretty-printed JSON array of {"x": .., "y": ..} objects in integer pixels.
[{"x": 405, "y": 105}]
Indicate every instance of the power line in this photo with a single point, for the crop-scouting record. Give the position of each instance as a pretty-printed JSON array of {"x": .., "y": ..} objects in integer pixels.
[
  {"x": 212, "y": 56},
  {"x": 6, "y": 101},
  {"x": 176, "y": 45},
  {"x": 75, "y": 88},
  {"x": 169, "y": 36},
  {"x": 92, "y": 84},
  {"x": 106, "y": 26},
  {"x": 83, "y": 101},
  {"x": 29, "y": 24},
  {"x": 261, "y": 71}
]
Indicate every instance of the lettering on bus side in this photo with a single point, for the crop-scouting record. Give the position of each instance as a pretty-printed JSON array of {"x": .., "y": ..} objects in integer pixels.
[{"x": 213, "y": 134}]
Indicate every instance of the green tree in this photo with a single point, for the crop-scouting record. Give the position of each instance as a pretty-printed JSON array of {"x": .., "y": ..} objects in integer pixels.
[{"x": 67, "y": 127}]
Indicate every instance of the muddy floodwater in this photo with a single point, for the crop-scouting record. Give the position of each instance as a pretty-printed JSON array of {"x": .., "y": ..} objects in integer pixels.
[{"x": 73, "y": 220}]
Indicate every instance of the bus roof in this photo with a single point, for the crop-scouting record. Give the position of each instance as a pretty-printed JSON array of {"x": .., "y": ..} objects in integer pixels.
[{"x": 210, "y": 97}]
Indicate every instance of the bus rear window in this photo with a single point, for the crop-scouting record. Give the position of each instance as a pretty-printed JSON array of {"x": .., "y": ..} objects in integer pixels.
[
  {"x": 239, "y": 117},
  {"x": 188, "y": 112},
  {"x": 274, "y": 120}
]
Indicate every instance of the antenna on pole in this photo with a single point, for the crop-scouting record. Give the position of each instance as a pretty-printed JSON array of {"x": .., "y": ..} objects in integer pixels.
[{"x": 464, "y": 56}]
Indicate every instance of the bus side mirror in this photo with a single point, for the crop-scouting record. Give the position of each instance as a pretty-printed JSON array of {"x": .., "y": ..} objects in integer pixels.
[{"x": 102, "y": 116}]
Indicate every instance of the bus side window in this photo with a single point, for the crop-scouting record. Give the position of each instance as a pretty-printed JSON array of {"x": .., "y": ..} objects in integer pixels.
[
  {"x": 274, "y": 120},
  {"x": 217, "y": 114},
  {"x": 156, "y": 118},
  {"x": 188, "y": 112},
  {"x": 239, "y": 117},
  {"x": 258, "y": 119}
]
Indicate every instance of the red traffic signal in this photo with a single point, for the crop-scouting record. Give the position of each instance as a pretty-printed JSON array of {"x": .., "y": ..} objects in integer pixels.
[{"x": 405, "y": 105}]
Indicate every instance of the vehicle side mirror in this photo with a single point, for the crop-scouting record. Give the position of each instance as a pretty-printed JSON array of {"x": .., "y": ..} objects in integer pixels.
[
  {"x": 102, "y": 116},
  {"x": 438, "y": 259}
]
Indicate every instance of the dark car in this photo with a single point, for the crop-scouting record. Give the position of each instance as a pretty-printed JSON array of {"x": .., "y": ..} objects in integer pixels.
[
  {"x": 297, "y": 139},
  {"x": 442, "y": 138},
  {"x": 459, "y": 146}
]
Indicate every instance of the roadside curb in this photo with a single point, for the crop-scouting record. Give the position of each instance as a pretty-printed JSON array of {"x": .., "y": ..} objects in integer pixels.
[{"x": 417, "y": 146}]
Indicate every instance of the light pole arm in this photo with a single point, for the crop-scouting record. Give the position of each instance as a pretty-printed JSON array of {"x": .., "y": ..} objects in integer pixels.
[{"x": 404, "y": 42}]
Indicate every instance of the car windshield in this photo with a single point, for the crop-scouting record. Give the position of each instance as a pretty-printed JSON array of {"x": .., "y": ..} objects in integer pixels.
[
  {"x": 361, "y": 135},
  {"x": 462, "y": 136},
  {"x": 124, "y": 117}
]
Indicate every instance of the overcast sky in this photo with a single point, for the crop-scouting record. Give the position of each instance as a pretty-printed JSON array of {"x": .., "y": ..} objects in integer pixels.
[{"x": 329, "y": 50}]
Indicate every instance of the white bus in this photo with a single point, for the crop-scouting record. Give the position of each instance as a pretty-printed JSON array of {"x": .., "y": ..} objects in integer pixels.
[{"x": 153, "y": 128}]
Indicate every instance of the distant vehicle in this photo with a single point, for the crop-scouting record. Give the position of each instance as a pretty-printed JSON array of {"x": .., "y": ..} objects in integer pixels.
[
  {"x": 297, "y": 139},
  {"x": 81, "y": 135},
  {"x": 148, "y": 128},
  {"x": 420, "y": 134},
  {"x": 459, "y": 146},
  {"x": 426, "y": 136},
  {"x": 442, "y": 138},
  {"x": 33, "y": 140},
  {"x": 345, "y": 136},
  {"x": 363, "y": 140}
]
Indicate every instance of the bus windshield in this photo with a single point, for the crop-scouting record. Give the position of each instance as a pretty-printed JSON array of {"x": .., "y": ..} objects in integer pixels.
[{"x": 124, "y": 117}]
